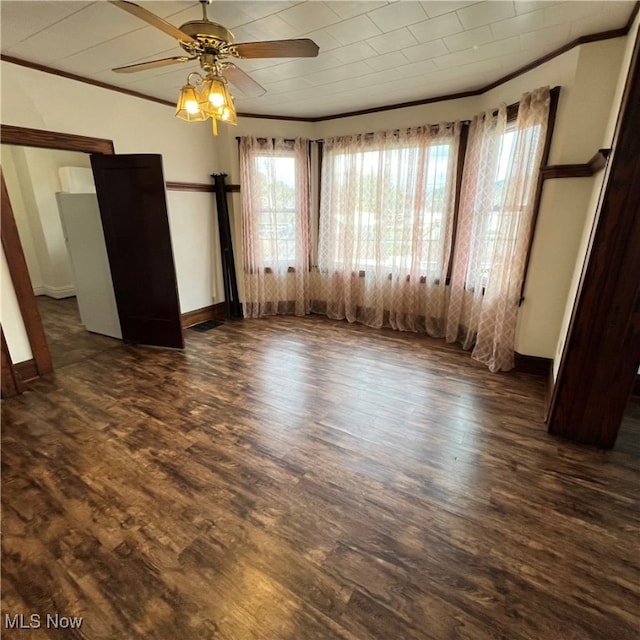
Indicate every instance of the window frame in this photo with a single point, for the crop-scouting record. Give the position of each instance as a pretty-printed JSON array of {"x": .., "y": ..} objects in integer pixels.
[
  {"x": 512, "y": 114},
  {"x": 289, "y": 268},
  {"x": 362, "y": 268},
  {"x": 284, "y": 263}
]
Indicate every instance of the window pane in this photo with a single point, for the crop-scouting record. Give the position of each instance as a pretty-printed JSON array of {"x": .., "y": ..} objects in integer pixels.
[
  {"x": 276, "y": 217},
  {"x": 498, "y": 227},
  {"x": 387, "y": 209}
]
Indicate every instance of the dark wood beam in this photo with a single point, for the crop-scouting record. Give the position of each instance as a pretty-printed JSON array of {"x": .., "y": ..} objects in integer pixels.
[
  {"x": 43, "y": 139},
  {"x": 189, "y": 186},
  {"x": 583, "y": 170},
  {"x": 10, "y": 383}
]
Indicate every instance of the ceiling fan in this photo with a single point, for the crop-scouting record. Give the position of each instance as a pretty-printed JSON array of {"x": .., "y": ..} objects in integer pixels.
[{"x": 212, "y": 44}]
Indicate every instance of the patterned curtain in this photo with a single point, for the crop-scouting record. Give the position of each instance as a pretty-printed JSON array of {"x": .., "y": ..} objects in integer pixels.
[
  {"x": 386, "y": 222},
  {"x": 275, "y": 218},
  {"x": 494, "y": 229}
]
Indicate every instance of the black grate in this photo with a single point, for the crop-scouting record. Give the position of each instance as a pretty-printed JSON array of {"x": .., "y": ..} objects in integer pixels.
[{"x": 206, "y": 325}]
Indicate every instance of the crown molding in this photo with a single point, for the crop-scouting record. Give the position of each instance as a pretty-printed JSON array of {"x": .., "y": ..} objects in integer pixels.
[
  {"x": 595, "y": 37},
  {"x": 72, "y": 76}
]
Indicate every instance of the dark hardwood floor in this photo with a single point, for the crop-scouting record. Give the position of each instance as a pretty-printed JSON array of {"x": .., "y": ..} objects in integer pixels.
[
  {"x": 67, "y": 338},
  {"x": 303, "y": 479}
]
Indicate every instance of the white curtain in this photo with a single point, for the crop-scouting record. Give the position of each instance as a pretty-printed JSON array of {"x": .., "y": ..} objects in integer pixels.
[
  {"x": 275, "y": 219},
  {"x": 494, "y": 229},
  {"x": 386, "y": 221}
]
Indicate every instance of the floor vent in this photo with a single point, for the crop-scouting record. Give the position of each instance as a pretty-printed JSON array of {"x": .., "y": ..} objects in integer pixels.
[{"x": 206, "y": 325}]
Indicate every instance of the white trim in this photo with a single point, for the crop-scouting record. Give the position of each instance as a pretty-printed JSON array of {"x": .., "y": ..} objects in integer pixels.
[{"x": 55, "y": 292}]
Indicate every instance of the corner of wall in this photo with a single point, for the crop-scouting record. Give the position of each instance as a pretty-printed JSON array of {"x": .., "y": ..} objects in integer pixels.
[{"x": 621, "y": 48}]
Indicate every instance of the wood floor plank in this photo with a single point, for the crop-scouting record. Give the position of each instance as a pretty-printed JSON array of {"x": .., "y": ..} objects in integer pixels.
[{"x": 295, "y": 478}]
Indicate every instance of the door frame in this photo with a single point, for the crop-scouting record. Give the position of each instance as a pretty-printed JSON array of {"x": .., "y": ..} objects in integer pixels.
[
  {"x": 599, "y": 362},
  {"x": 11, "y": 243}
]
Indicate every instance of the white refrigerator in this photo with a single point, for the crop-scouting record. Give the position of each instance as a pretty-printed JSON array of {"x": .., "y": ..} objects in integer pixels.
[{"x": 84, "y": 236}]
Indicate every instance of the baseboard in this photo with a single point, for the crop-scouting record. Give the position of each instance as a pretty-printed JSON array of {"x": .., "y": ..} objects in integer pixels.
[
  {"x": 58, "y": 293},
  {"x": 26, "y": 370},
  {"x": 532, "y": 364},
  {"x": 212, "y": 312}
]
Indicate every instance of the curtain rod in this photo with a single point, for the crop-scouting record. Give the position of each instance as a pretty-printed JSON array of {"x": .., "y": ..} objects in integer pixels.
[
  {"x": 263, "y": 139},
  {"x": 511, "y": 112},
  {"x": 370, "y": 134}
]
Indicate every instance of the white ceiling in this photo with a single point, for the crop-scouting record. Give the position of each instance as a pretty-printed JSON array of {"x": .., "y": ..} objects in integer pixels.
[{"x": 372, "y": 53}]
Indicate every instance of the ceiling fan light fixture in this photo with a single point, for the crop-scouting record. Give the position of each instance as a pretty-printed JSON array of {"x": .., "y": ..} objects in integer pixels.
[
  {"x": 211, "y": 43},
  {"x": 188, "y": 107}
]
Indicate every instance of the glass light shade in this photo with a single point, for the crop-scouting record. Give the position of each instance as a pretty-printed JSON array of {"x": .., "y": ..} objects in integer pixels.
[
  {"x": 215, "y": 98},
  {"x": 229, "y": 114},
  {"x": 188, "y": 107}
]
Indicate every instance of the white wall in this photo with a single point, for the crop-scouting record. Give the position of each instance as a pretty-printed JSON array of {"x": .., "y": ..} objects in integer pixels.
[
  {"x": 32, "y": 182},
  {"x": 190, "y": 154},
  {"x": 40, "y": 179},
  {"x": 14, "y": 190},
  {"x": 196, "y": 244}
]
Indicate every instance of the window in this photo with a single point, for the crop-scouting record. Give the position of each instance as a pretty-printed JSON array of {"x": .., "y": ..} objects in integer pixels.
[
  {"x": 275, "y": 221},
  {"x": 387, "y": 203},
  {"x": 495, "y": 224},
  {"x": 276, "y": 214},
  {"x": 498, "y": 227},
  {"x": 275, "y": 208}
]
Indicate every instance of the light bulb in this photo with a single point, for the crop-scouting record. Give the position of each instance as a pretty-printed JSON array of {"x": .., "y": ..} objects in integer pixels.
[
  {"x": 216, "y": 99},
  {"x": 192, "y": 106}
]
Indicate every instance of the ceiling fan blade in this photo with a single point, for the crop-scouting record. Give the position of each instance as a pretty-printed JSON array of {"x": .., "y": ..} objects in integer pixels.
[
  {"x": 153, "y": 64},
  {"x": 154, "y": 21},
  {"x": 298, "y": 48},
  {"x": 243, "y": 81}
]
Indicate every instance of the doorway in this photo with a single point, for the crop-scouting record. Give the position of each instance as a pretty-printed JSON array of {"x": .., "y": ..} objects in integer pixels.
[
  {"x": 130, "y": 192},
  {"x": 13, "y": 250},
  {"x": 51, "y": 238}
]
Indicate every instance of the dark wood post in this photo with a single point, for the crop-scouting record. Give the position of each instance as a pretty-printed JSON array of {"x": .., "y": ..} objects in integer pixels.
[
  {"x": 234, "y": 307},
  {"x": 602, "y": 350},
  {"x": 10, "y": 383}
]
